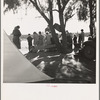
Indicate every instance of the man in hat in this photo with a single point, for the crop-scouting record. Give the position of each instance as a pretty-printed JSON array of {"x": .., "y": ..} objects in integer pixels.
[{"x": 82, "y": 35}]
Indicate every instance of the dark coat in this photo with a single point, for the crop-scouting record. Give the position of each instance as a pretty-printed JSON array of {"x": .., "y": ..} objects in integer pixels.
[
  {"x": 80, "y": 38},
  {"x": 75, "y": 39},
  {"x": 16, "y": 40},
  {"x": 29, "y": 39}
]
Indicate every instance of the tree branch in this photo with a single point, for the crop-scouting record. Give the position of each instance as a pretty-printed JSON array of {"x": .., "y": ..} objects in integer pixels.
[
  {"x": 51, "y": 15},
  {"x": 66, "y": 19},
  {"x": 61, "y": 19},
  {"x": 39, "y": 4},
  {"x": 32, "y": 2},
  {"x": 64, "y": 4},
  {"x": 39, "y": 10},
  {"x": 59, "y": 6}
]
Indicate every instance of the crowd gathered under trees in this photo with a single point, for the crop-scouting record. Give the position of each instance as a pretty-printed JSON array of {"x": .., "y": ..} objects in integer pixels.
[
  {"x": 40, "y": 41},
  {"x": 66, "y": 9}
]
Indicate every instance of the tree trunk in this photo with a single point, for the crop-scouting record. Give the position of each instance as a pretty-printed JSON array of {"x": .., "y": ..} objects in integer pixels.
[
  {"x": 91, "y": 18},
  {"x": 61, "y": 19},
  {"x": 55, "y": 38},
  {"x": 50, "y": 22},
  {"x": 64, "y": 37}
]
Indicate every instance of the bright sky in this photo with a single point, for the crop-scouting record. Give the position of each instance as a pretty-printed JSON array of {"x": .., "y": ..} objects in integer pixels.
[{"x": 30, "y": 22}]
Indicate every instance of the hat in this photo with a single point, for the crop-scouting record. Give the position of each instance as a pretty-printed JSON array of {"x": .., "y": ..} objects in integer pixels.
[
  {"x": 39, "y": 32},
  {"x": 18, "y": 26},
  {"x": 81, "y": 29}
]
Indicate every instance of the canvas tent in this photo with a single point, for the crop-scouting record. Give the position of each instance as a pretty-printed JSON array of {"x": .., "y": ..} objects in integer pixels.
[{"x": 16, "y": 68}]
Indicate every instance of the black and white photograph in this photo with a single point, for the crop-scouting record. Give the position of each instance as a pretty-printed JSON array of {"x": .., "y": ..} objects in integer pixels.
[
  {"x": 49, "y": 41},
  {"x": 50, "y": 49}
]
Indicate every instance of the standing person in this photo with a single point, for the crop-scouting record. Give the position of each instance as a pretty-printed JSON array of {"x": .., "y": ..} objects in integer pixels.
[
  {"x": 75, "y": 41},
  {"x": 29, "y": 39},
  {"x": 48, "y": 39},
  {"x": 36, "y": 39},
  {"x": 41, "y": 37},
  {"x": 82, "y": 35},
  {"x": 79, "y": 40},
  {"x": 16, "y": 37}
]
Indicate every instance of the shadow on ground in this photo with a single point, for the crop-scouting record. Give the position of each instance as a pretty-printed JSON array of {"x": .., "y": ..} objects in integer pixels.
[{"x": 64, "y": 68}]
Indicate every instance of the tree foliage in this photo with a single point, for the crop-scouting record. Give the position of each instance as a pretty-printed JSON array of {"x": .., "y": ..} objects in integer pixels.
[
  {"x": 87, "y": 9},
  {"x": 43, "y": 6},
  {"x": 66, "y": 9},
  {"x": 84, "y": 9}
]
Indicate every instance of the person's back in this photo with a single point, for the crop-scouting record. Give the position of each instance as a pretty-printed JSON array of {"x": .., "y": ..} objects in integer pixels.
[
  {"x": 82, "y": 35},
  {"x": 29, "y": 39},
  {"x": 16, "y": 35},
  {"x": 36, "y": 38},
  {"x": 48, "y": 39},
  {"x": 41, "y": 37},
  {"x": 80, "y": 38},
  {"x": 16, "y": 32},
  {"x": 75, "y": 39}
]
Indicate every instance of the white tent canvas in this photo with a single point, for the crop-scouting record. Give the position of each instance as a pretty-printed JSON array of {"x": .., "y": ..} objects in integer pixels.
[{"x": 16, "y": 68}]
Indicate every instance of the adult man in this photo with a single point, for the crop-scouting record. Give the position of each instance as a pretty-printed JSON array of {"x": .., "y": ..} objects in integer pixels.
[
  {"x": 16, "y": 34},
  {"x": 48, "y": 39},
  {"x": 41, "y": 37},
  {"x": 82, "y": 35},
  {"x": 29, "y": 39},
  {"x": 81, "y": 38}
]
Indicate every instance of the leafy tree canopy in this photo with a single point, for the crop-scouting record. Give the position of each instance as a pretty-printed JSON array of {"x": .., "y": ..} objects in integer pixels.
[{"x": 86, "y": 7}]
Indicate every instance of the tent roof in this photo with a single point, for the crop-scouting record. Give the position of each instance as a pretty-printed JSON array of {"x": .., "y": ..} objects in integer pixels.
[{"x": 16, "y": 68}]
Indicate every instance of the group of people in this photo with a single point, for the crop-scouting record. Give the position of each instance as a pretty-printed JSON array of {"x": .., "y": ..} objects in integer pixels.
[
  {"x": 37, "y": 39},
  {"x": 79, "y": 40}
]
